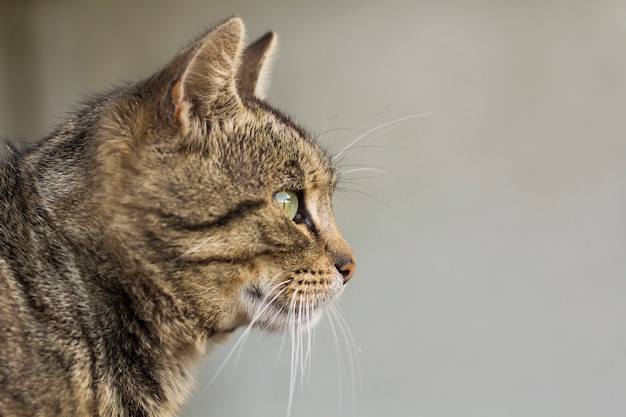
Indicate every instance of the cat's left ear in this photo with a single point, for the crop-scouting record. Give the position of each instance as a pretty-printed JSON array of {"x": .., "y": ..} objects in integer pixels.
[
  {"x": 253, "y": 76},
  {"x": 206, "y": 86}
]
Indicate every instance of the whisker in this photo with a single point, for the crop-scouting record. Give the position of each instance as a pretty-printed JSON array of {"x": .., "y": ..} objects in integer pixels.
[
  {"x": 366, "y": 169},
  {"x": 335, "y": 129},
  {"x": 328, "y": 123},
  {"x": 310, "y": 332},
  {"x": 378, "y": 146},
  {"x": 353, "y": 149},
  {"x": 356, "y": 119},
  {"x": 351, "y": 351},
  {"x": 349, "y": 338},
  {"x": 363, "y": 193},
  {"x": 301, "y": 320},
  {"x": 357, "y": 180},
  {"x": 343, "y": 166},
  {"x": 388, "y": 106},
  {"x": 265, "y": 339},
  {"x": 294, "y": 349},
  {"x": 338, "y": 356},
  {"x": 264, "y": 306},
  {"x": 281, "y": 348},
  {"x": 377, "y": 128},
  {"x": 346, "y": 177}
]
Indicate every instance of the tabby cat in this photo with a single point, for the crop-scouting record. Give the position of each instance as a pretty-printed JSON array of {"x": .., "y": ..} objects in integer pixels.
[{"x": 151, "y": 224}]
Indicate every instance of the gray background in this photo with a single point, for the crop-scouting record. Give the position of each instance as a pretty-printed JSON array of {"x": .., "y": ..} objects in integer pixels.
[{"x": 491, "y": 273}]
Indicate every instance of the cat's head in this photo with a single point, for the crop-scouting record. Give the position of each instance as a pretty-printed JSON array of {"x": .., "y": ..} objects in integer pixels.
[{"x": 224, "y": 200}]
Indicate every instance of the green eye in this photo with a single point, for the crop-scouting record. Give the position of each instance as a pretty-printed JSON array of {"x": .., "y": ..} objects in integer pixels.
[{"x": 288, "y": 201}]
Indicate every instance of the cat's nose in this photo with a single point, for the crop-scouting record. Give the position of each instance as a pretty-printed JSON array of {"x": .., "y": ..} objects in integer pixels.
[{"x": 346, "y": 267}]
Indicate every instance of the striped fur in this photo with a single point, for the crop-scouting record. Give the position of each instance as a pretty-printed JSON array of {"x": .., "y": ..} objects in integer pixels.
[{"x": 145, "y": 229}]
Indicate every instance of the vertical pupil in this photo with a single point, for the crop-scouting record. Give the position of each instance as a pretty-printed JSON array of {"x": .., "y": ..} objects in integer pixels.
[{"x": 288, "y": 202}]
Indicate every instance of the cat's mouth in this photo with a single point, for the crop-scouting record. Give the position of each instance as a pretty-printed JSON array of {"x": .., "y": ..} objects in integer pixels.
[{"x": 296, "y": 305}]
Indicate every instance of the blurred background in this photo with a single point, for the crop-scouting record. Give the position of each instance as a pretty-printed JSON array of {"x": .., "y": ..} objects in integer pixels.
[{"x": 490, "y": 235}]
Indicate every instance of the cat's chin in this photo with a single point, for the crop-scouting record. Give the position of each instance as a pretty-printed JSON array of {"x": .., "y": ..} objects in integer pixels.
[
  {"x": 280, "y": 321},
  {"x": 274, "y": 316}
]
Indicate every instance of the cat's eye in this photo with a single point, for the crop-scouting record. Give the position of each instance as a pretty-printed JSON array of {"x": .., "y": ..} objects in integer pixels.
[{"x": 288, "y": 202}]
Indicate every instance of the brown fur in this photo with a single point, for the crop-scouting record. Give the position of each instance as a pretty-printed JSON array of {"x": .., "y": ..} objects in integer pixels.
[{"x": 145, "y": 229}]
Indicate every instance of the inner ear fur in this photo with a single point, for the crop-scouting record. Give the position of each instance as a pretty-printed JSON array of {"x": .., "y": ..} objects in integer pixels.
[
  {"x": 206, "y": 86},
  {"x": 204, "y": 79}
]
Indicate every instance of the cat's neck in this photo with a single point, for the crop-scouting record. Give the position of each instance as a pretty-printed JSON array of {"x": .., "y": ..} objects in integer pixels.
[{"x": 129, "y": 299}]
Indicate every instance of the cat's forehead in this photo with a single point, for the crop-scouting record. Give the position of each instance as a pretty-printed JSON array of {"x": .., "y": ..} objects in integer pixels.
[{"x": 298, "y": 151}]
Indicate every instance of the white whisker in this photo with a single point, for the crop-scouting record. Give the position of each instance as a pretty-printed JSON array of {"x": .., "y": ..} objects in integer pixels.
[
  {"x": 310, "y": 332},
  {"x": 338, "y": 356},
  {"x": 329, "y": 123},
  {"x": 350, "y": 351},
  {"x": 357, "y": 180},
  {"x": 294, "y": 350},
  {"x": 359, "y": 118},
  {"x": 379, "y": 134},
  {"x": 363, "y": 193},
  {"x": 365, "y": 169},
  {"x": 281, "y": 348},
  {"x": 377, "y": 128},
  {"x": 301, "y": 319},
  {"x": 263, "y": 307},
  {"x": 336, "y": 129}
]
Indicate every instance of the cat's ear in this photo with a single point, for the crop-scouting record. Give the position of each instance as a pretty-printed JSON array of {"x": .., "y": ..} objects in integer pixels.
[
  {"x": 207, "y": 85},
  {"x": 253, "y": 77}
]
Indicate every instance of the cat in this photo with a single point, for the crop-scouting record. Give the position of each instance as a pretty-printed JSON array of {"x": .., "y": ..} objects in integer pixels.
[{"x": 152, "y": 224}]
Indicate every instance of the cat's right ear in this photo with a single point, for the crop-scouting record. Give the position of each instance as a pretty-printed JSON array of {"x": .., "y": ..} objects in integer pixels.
[{"x": 205, "y": 76}]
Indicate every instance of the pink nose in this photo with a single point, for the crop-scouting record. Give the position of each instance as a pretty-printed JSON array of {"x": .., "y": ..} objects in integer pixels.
[{"x": 347, "y": 270}]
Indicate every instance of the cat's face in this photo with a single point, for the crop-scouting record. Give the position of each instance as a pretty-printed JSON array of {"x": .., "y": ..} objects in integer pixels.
[{"x": 220, "y": 194}]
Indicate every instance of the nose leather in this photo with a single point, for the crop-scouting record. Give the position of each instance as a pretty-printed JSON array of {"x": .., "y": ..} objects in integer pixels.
[{"x": 347, "y": 268}]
